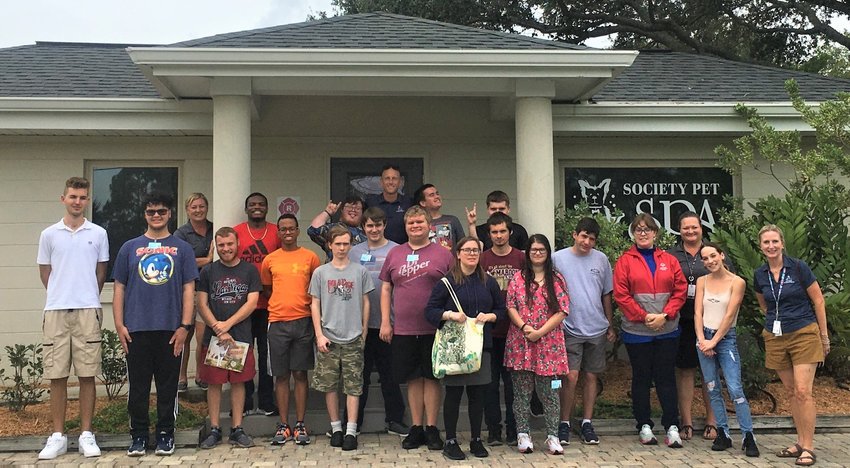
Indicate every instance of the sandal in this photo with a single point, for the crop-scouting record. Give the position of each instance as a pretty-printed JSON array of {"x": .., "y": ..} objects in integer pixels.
[
  {"x": 787, "y": 453},
  {"x": 687, "y": 432},
  {"x": 710, "y": 432},
  {"x": 807, "y": 458}
]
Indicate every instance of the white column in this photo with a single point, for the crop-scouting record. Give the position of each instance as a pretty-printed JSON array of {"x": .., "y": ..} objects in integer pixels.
[
  {"x": 231, "y": 152},
  {"x": 535, "y": 204}
]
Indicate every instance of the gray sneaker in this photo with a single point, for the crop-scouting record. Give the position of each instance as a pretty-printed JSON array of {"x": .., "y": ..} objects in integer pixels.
[
  {"x": 239, "y": 438},
  {"x": 398, "y": 428},
  {"x": 213, "y": 439}
]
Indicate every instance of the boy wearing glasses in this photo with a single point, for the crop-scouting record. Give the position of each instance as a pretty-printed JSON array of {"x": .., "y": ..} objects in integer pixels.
[
  {"x": 152, "y": 307},
  {"x": 286, "y": 274}
]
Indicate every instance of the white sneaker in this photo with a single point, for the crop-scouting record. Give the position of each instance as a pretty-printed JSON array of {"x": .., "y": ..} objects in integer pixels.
[
  {"x": 523, "y": 443},
  {"x": 553, "y": 446},
  {"x": 88, "y": 445},
  {"x": 673, "y": 440},
  {"x": 56, "y": 445},
  {"x": 646, "y": 436}
]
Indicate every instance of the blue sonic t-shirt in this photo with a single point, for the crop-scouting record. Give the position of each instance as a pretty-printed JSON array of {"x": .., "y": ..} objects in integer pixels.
[{"x": 153, "y": 273}]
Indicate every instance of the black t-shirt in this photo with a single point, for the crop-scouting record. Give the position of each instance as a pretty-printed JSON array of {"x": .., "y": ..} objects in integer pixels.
[{"x": 228, "y": 289}]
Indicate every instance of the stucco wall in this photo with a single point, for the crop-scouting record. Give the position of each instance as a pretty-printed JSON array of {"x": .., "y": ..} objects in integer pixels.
[{"x": 465, "y": 153}]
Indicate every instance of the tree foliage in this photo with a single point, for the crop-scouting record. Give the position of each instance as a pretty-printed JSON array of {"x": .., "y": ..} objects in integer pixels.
[
  {"x": 777, "y": 32},
  {"x": 813, "y": 213}
]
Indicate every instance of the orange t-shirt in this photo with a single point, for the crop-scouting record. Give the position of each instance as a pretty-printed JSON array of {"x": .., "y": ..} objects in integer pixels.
[{"x": 288, "y": 273}]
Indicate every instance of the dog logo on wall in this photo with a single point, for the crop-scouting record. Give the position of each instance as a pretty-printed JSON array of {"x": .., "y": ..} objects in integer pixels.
[{"x": 598, "y": 199}]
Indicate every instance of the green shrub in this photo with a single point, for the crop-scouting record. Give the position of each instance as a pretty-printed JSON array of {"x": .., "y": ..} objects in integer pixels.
[
  {"x": 113, "y": 419},
  {"x": 113, "y": 364},
  {"x": 28, "y": 366}
]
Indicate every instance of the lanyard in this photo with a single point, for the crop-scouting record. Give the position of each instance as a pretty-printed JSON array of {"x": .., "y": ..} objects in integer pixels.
[
  {"x": 690, "y": 266},
  {"x": 772, "y": 291}
]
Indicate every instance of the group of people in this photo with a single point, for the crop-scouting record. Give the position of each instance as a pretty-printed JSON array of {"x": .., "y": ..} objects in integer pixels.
[{"x": 397, "y": 270}]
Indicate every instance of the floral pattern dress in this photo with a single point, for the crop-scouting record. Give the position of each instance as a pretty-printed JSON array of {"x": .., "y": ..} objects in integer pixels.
[{"x": 547, "y": 356}]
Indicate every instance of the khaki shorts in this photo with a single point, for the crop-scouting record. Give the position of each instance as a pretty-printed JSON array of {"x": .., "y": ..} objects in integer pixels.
[
  {"x": 799, "y": 347},
  {"x": 343, "y": 362},
  {"x": 71, "y": 336}
]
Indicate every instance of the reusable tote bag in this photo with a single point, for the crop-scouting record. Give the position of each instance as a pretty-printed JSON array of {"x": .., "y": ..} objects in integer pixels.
[{"x": 457, "y": 346}]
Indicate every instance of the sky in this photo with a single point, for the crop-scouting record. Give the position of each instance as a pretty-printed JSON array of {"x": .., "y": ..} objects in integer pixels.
[
  {"x": 156, "y": 21},
  {"x": 143, "y": 22}
]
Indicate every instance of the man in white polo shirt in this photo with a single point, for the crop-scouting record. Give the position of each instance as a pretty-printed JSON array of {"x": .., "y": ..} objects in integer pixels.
[{"x": 72, "y": 257}]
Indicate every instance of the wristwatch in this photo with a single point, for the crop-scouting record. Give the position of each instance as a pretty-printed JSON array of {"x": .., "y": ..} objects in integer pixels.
[{"x": 186, "y": 326}]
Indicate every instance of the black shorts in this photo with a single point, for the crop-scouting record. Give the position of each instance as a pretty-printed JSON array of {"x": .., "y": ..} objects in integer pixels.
[
  {"x": 687, "y": 357},
  {"x": 411, "y": 357}
]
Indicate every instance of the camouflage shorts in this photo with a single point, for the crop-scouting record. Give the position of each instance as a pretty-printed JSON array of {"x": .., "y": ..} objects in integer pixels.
[{"x": 343, "y": 362}]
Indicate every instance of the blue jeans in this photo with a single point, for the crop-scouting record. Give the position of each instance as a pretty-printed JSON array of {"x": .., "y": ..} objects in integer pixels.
[{"x": 728, "y": 360}]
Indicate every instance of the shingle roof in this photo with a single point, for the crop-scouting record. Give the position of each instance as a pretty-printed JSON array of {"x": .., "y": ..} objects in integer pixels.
[
  {"x": 55, "y": 69},
  {"x": 376, "y": 31},
  {"x": 678, "y": 76}
]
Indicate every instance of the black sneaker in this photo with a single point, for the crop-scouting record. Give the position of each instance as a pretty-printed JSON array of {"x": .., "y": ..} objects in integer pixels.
[
  {"x": 270, "y": 412},
  {"x": 432, "y": 438},
  {"x": 721, "y": 442},
  {"x": 494, "y": 438},
  {"x": 138, "y": 446},
  {"x": 164, "y": 443},
  {"x": 212, "y": 440},
  {"x": 588, "y": 435},
  {"x": 564, "y": 430},
  {"x": 415, "y": 438},
  {"x": 452, "y": 450},
  {"x": 749, "y": 445},
  {"x": 397, "y": 428},
  {"x": 336, "y": 439},
  {"x": 239, "y": 438},
  {"x": 510, "y": 435},
  {"x": 350, "y": 442},
  {"x": 476, "y": 446},
  {"x": 536, "y": 406}
]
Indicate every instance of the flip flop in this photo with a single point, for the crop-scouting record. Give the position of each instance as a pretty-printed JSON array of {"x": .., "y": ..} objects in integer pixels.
[
  {"x": 710, "y": 432},
  {"x": 807, "y": 458},
  {"x": 687, "y": 432},
  {"x": 785, "y": 453}
]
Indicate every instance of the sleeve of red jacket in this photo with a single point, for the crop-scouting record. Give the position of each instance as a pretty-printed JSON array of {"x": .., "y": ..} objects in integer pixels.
[
  {"x": 632, "y": 311},
  {"x": 679, "y": 292}
]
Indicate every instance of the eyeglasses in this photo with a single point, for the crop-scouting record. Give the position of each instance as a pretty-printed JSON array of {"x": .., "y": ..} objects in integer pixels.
[
  {"x": 471, "y": 251},
  {"x": 161, "y": 212},
  {"x": 643, "y": 230},
  {"x": 538, "y": 251},
  {"x": 288, "y": 229}
]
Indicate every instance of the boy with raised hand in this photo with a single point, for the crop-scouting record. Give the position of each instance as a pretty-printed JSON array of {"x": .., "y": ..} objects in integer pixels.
[
  {"x": 227, "y": 296},
  {"x": 340, "y": 310}
]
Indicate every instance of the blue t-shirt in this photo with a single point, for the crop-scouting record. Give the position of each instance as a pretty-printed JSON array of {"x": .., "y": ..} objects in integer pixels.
[
  {"x": 795, "y": 308},
  {"x": 153, "y": 277}
]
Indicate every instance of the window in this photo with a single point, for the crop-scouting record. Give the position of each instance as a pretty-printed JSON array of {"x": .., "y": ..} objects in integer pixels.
[{"x": 117, "y": 194}]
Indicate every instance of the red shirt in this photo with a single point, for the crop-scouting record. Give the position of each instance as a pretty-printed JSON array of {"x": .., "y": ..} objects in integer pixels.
[{"x": 254, "y": 245}]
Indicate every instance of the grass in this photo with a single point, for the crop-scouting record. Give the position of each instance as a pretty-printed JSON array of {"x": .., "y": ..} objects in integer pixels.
[{"x": 113, "y": 419}]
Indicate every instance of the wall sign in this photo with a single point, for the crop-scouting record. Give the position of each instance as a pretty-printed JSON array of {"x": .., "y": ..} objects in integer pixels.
[{"x": 665, "y": 193}]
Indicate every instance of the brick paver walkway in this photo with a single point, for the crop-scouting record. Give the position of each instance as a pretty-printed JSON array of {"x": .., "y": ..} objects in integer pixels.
[{"x": 385, "y": 451}]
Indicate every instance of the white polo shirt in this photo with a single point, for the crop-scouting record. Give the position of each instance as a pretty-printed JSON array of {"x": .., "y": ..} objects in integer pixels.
[{"x": 73, "y": 257}]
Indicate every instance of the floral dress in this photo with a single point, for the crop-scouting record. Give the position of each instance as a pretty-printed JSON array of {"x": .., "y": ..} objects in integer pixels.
[{"x": 547, "y": 356}]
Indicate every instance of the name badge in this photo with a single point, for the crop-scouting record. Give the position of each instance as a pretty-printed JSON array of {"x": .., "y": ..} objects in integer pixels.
[
  {"x": 413, "y": 258},
  {"x": 367, "y": 258},
  {"x": 692, "y": 291},
  {"x": 556, "y": 384},
  {"x": 154, "y": 245},
  {"x": 777, "y": 328}
]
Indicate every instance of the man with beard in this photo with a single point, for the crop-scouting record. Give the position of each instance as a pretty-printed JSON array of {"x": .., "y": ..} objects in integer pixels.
[
  {"x": 227, "y": 295},
  {"x": 257, "y": 238}
]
